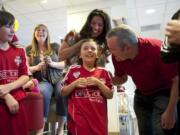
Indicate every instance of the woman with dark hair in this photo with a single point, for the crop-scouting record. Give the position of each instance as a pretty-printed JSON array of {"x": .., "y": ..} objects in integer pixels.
[
  {"x": 88, "y": 30},
  {"x": 96, "y": 27}
]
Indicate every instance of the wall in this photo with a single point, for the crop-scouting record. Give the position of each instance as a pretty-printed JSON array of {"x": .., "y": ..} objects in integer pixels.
[{"x": 57, "y": 29}]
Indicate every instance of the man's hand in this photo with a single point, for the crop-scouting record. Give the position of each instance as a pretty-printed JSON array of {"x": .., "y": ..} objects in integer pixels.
[{"x": 168, "y": 120}]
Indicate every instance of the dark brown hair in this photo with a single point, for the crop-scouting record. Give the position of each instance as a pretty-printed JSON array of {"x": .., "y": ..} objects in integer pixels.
[
  {"x": 176, "y": 16},
  {"x": 6, "y": 18},
  {"x": 86, "y": 29}
]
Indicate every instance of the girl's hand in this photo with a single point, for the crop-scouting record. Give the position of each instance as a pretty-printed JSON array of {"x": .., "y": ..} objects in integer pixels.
[
  {"x": 40, "y": 66},
  {"x": 48, "y": 60},
  {"x": 81, "y": 82},
  {"x": 12, "y": 104},
  {"x": 28, "y": 85},
  {"x": 92, "y": 81}
]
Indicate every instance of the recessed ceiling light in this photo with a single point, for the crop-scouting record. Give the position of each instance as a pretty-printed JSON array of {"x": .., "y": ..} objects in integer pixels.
[
  {"x": 150, "y": 11},
  {"x": 43, "y": 1}
]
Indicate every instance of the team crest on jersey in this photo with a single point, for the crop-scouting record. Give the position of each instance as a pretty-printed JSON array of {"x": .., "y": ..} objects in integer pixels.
[
  {"x": 102, "y": 80},
  {"x": 18, "y": 60},
  {"x": 76, "y": 74}
]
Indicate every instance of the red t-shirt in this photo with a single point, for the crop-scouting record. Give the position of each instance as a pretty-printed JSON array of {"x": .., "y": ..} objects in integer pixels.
[
  {"x": 87, "y": 107},
  {"x": 12, "y": 66},
  {"x": 147, "y": 70}
]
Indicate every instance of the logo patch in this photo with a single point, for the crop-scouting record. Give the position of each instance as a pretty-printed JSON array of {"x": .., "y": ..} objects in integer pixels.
[
  {"x": 102, "y": 80},
  {"x": 76, "y": 74},
  {"x": 18, "y": 60}
]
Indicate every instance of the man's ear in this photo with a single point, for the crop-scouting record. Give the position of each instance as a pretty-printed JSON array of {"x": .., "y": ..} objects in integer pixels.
[{"x": 128, "y": 47}]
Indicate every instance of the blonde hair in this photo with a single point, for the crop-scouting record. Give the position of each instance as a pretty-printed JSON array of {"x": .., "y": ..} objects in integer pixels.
[{"x": 35, "y": 49}]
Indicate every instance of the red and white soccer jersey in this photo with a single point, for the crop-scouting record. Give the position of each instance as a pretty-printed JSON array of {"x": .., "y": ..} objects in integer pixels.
[
  {"x": 87, "y": 107},
  {"x": 12, "y": 66}
]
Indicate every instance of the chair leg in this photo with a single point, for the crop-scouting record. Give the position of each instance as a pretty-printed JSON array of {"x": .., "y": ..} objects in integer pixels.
[
  {"x": 53, "y": 128},
  {"x": 50, "y": 128}
]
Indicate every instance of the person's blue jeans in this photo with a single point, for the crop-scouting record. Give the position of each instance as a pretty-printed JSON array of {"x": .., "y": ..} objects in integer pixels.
[
  {"x": 61, "y": 102},
  {"x": 47, "y": 91},
  {"x": 148, "y": 110}
]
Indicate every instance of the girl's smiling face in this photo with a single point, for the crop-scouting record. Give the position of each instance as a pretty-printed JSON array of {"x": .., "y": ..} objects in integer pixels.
[
  {"x": 88, "y": 52},
  {"x": 41, "y": 34}
]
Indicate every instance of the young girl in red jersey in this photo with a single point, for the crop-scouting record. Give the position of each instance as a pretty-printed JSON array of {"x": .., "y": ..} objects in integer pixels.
[
  {"x": 87, "y": 87},
  {"x": 13, "y": 75}
]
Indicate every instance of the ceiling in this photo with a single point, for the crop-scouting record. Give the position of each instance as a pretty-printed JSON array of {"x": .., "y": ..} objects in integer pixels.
[
  {"x": 151, "y": 25},
  {"x": 54, "y": 13}
]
